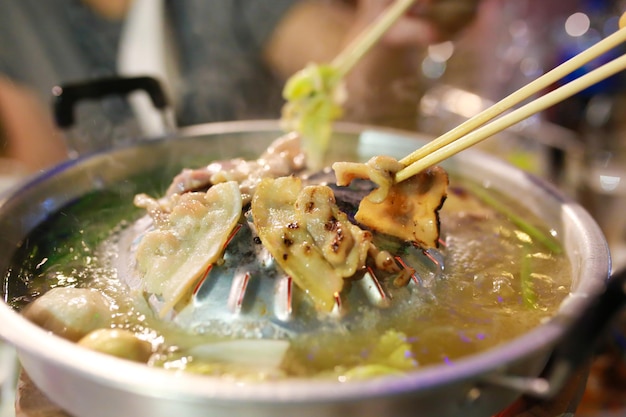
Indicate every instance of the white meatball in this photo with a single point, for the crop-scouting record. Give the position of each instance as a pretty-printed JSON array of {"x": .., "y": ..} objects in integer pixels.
[{"x": 70, "y": 312}]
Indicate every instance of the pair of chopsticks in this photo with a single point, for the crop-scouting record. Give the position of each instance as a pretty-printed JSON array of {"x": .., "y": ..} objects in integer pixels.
[{"x": 475, "y": 129}]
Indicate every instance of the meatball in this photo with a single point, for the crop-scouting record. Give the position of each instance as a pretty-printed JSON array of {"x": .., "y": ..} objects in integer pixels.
[
  {"x": 70, "y": 312},
  {"x": 118, "y": 342}
]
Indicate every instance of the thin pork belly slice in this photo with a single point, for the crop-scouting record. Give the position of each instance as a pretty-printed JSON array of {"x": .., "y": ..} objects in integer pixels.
[{"x": 189, "y": 235}]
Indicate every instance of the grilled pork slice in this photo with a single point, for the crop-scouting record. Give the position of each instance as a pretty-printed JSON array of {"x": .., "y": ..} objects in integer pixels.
[
  {"x": 408, "y": 210},
  {"x": 310, "y": 238}
]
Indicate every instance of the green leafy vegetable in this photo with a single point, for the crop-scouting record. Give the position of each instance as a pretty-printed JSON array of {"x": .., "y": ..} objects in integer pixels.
[
  {"x": 390, "y": 356},
  {"x": 529, "y": 296},
  {"x": 315, "y": 94},
  {"x": 314, "y": 97}
]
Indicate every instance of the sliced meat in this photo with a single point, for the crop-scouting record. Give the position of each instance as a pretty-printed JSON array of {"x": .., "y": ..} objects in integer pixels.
[
  {"x": 308, "y": 236},
  {"x": 408, "y": 210},
  {"x": 283, "y": 157},
  {"x": 187, "y": 238}
]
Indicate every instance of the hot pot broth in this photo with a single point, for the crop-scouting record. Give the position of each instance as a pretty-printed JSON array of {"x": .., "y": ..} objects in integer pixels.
[
  {"x": 484, "y": 298},
  {"x": 498, "y": 282}
]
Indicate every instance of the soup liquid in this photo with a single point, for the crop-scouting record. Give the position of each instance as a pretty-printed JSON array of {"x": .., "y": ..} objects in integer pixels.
[{"x": 499, "y": 281}]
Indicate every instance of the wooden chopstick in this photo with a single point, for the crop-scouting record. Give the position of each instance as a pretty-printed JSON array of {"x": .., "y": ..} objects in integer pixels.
[
  {"x": 542, "y": 103},
  {"x": 428, "y": 154},
  {"x": 360, "y": 45}
]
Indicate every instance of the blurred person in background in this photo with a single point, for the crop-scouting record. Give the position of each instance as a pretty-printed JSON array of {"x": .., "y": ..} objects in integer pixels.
[
  {"x": 233, "y": 58},
  {"x": 28, "y": 138}
]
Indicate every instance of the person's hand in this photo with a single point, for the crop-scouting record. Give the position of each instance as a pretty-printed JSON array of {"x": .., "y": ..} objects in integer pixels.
[
  {"x": 384, "y": 86},
  {"x": 317, "y": 30},
  {"x": 28, "y": 135}
]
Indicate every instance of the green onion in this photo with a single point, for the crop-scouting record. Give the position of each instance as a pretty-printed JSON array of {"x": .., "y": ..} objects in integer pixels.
[
  {"x": 535, "y": 233},
  {"x": 529, "y": 296}
]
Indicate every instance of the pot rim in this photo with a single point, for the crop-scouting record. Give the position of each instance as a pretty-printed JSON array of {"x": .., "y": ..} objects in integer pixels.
[{"x": 29, "y": 339}]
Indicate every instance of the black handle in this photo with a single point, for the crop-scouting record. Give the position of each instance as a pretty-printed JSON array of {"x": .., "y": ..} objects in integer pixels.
[{"x": 66, "y": 96}]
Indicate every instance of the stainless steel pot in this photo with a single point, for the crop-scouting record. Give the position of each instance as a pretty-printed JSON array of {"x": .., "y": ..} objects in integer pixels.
[{"x": 86, "y": 383}]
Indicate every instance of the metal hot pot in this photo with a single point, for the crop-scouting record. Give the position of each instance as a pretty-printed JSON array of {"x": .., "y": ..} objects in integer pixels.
[{"x": 86, "y": 383}]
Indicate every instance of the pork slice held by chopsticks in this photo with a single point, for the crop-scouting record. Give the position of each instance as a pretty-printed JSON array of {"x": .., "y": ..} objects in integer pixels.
[{"x": 408, "y": 210}]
